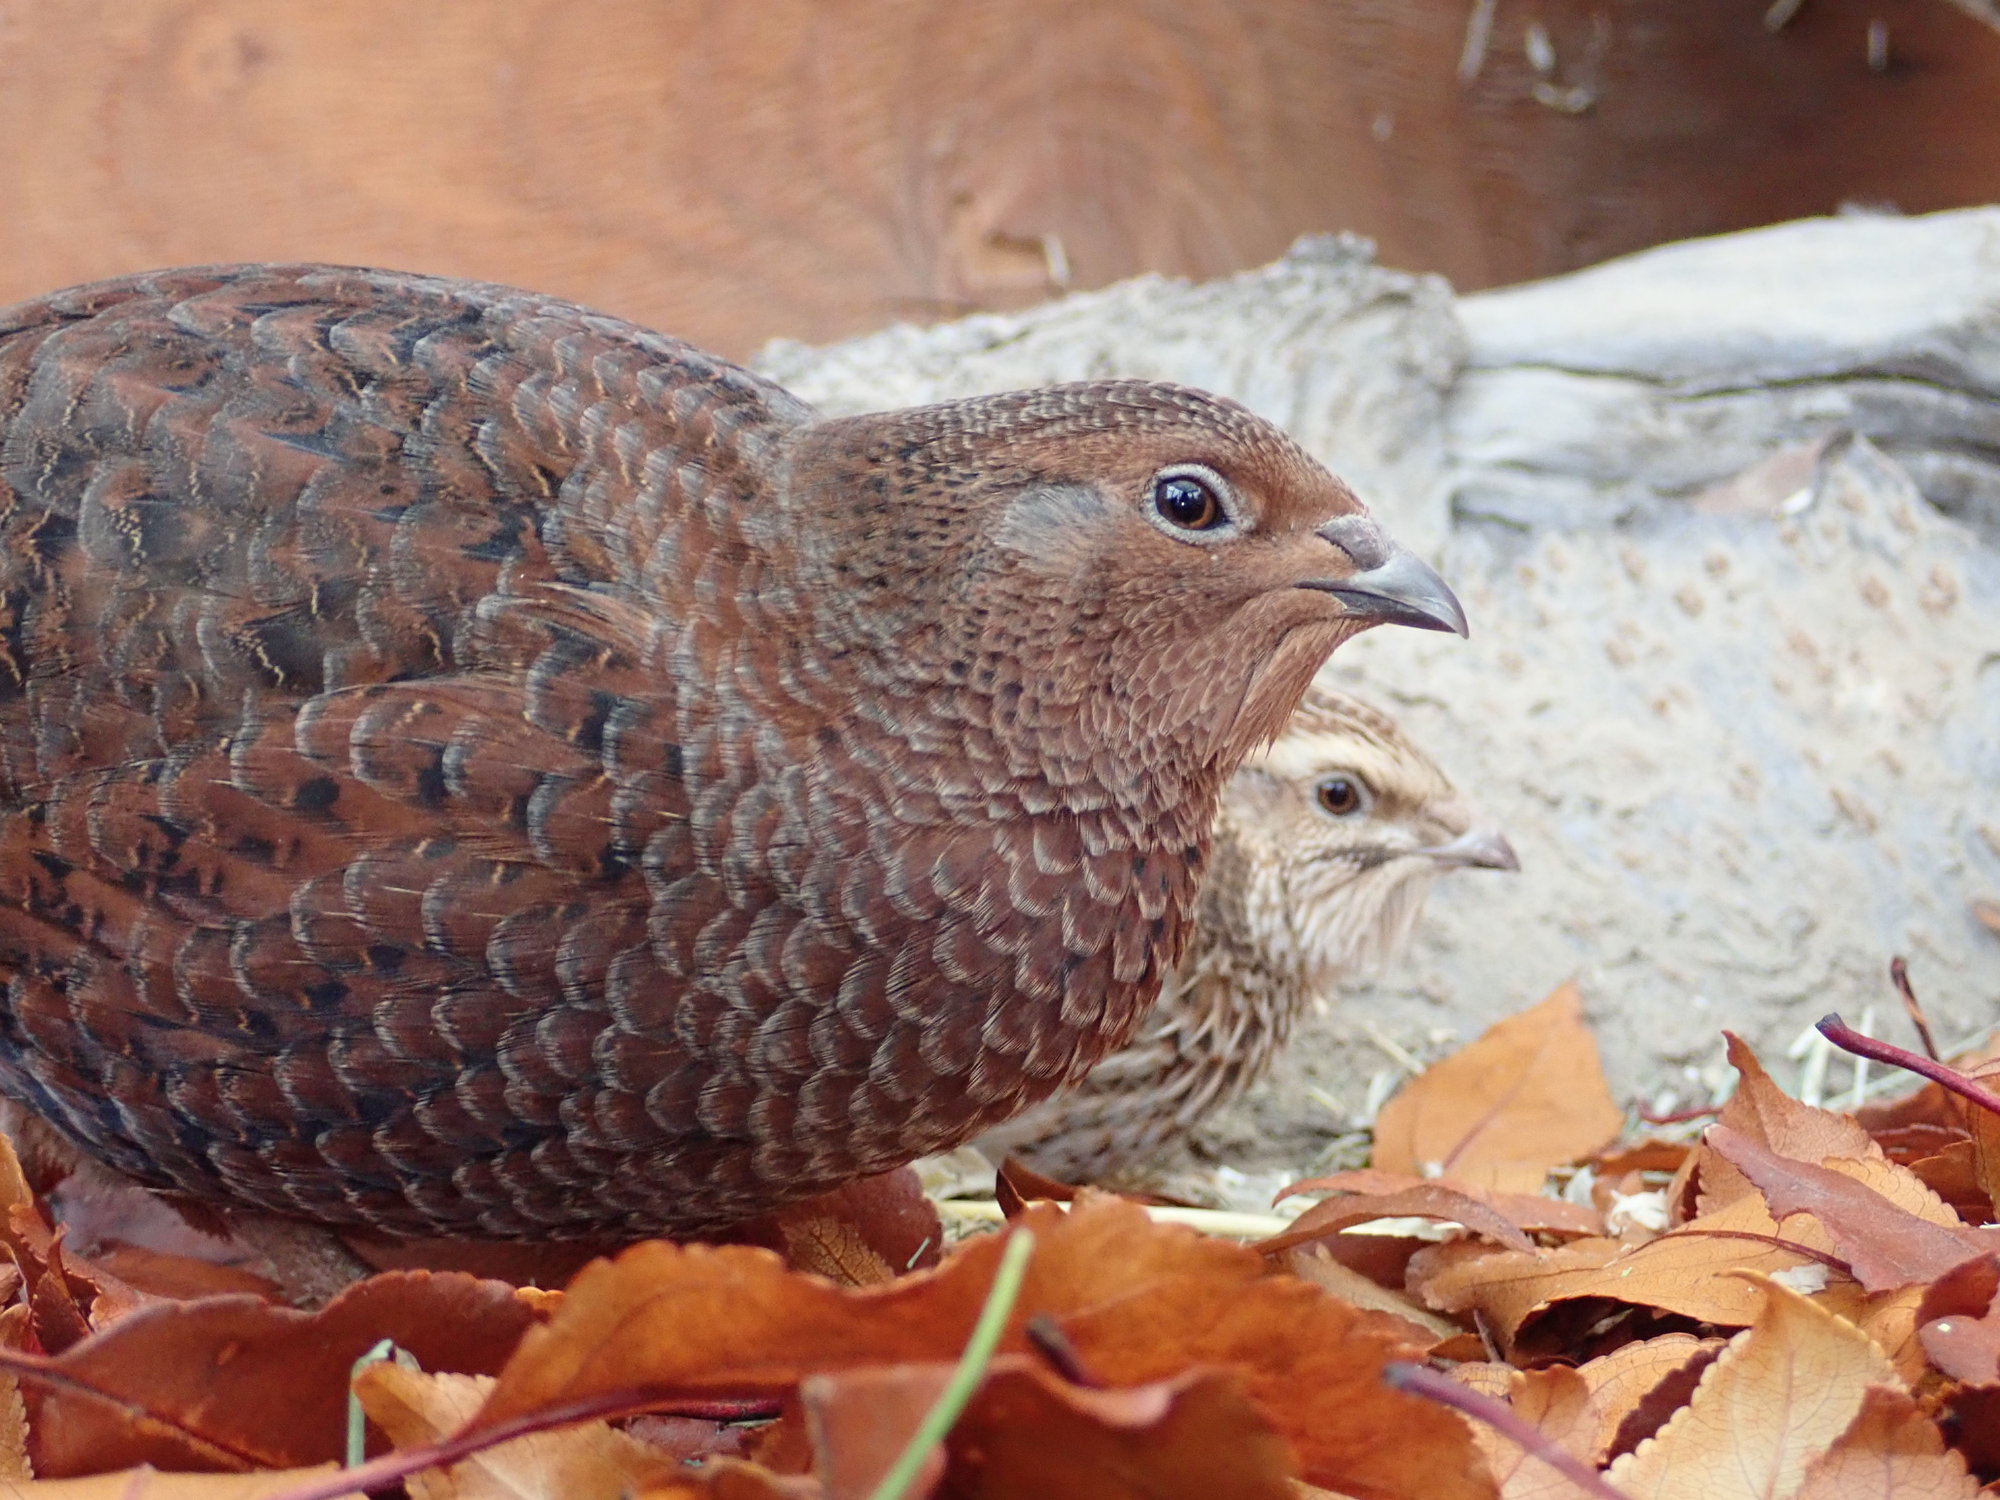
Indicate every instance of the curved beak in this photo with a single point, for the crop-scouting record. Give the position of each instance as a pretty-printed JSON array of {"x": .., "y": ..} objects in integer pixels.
[
  {"x": 1405, "y": 590},
  {"x": 1389, "y": 585},
  {"x": 1480, "y": 848}
]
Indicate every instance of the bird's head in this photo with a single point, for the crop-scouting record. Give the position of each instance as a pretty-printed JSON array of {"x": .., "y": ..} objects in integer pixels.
[
  {"x": 1119, "y": 563},
  {"x": 1335, "y": 833}
]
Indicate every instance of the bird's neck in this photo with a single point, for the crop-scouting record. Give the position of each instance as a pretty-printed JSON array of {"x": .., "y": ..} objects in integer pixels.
[{"x": 971, "y": 733}]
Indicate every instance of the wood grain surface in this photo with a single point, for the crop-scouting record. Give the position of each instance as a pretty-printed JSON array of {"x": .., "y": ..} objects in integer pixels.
[{"x": 814, "y": 168}]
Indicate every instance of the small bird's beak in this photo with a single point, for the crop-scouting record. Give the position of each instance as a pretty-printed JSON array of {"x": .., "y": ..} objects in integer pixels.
[
  {"x": 1482, "y": 848},
  {"x": 1405, "y": 590},
  {"x": 1391, "y": 586}
]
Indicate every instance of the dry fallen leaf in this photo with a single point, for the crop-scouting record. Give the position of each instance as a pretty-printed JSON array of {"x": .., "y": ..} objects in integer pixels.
[
  {"x": 1027, "y": 1433},
  {"x": 69, "y": 1298},
  {"x": 1313, "y": 1263},
  {"x": 1689, "y": 1271},
  {"x": 1640, "y": 1156},
  {"x": 1890, "y": 1452},
  {"x": 55, "y": 1311},
  {"x": 14, "y": 1462},
  {"x": 181, "y": 1278},
  {"x": 1764, "y": 1112},
  {"x": 1140, "y": 1303},
  {"x": 1636, "y": 1387},
  {"x": 1909, "y": 1144},
  {"x": 1194, "y": 1437},
  {"x": 582, "y": 1461},
  {"x": 1557, "y": 1403},
  {"x": 1960, "y": 1322},
  {"x": 146, "y": 1483},
  {"x": 1775, "y": 1400},
  {"x": 1527, "y": 1096},
  {"x": 861, "y": 1420},
  {"x": 1951, "y": 1172},
  {"x": 1886, "y": 1245},
  {"x": 1983, "y": 1126},
  {"x": 234, "y": 1382},
  {"x": 1890, "y": 1319},
  {"x": 1506, "y": 1218},
  {"x": 865, "y": 1233},
  {"x": 1902, "y": 1187}
]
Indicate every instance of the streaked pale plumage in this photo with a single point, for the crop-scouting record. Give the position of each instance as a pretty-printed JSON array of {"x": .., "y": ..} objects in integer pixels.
[{"x": 1325, "y": 848}]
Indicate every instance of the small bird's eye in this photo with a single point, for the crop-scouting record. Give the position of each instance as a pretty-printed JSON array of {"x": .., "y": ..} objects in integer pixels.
[
  {"x": 1340, "y": 795},
  {"x": 1188, "y": 503}
]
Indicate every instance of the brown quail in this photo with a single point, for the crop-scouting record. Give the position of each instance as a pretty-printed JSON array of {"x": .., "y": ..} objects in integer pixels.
[
  {"x": 1325, "y": 847},
  {"x": 472, "y": 766}
]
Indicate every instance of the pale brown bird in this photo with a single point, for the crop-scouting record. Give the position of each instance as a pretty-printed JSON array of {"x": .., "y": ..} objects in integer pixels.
[
  {"x": 469, "y": 765},
  {"x": 1325, "y": 848}
]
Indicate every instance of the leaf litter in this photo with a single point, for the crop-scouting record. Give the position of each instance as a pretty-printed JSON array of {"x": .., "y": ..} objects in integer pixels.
[{"x": 1794, "y": 1304}]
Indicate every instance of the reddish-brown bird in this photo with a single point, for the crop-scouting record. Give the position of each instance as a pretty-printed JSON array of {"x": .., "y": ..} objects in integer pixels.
[{"x": 470, "y": 765}]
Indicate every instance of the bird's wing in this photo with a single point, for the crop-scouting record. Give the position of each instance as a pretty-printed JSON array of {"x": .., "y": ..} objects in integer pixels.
[
  {"x": 285, "y": 480},
  {"x": 337, "y": 711}
]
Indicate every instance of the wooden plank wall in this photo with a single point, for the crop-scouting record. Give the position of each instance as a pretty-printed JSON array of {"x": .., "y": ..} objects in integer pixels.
[{"x": 735, "y": 169}]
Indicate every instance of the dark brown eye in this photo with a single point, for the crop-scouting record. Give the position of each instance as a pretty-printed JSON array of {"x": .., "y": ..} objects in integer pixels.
[
  {"x": 1187, "y": 502},
  {"x": 1341, "y": 795}
]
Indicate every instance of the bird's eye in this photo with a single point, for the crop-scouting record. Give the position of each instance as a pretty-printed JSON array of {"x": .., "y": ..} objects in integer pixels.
[
  {"x": 1342, "y": 796},
  {"x": 1188, "y": 503}
]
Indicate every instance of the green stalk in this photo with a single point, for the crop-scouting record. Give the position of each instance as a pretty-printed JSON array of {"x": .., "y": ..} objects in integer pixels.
[
  {"x": 951, "y": 1401},
  {"x": 357, "y": 1421}
]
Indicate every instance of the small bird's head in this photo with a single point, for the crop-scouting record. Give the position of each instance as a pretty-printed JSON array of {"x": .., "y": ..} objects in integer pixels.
[
  {"x": 1332, "y": 837},
  {"x": 1126, "y": 563}
]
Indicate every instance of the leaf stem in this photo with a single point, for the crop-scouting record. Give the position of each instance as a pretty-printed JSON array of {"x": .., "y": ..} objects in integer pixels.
[
  {"x": 1899, "y": 975},
  {"x": 1220, "y": 1222},
  {"x": 1434, "y": 1385},
  {"x": 1847, "y": 1039},
  {"x": 391, "y": 1468},
  {"x": 1776, "y": 1242},
  {"x": 951, "y": 1401}
]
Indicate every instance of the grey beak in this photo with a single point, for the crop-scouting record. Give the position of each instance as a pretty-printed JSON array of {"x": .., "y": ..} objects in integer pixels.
[
  {"x": 1390, "y": 586},
  {"x": 1405, "y": 590},
  {"x": 1481, "y": 848}
]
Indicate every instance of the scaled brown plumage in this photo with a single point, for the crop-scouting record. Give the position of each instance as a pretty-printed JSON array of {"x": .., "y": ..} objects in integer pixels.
[{"x": 469, "y": 765}]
